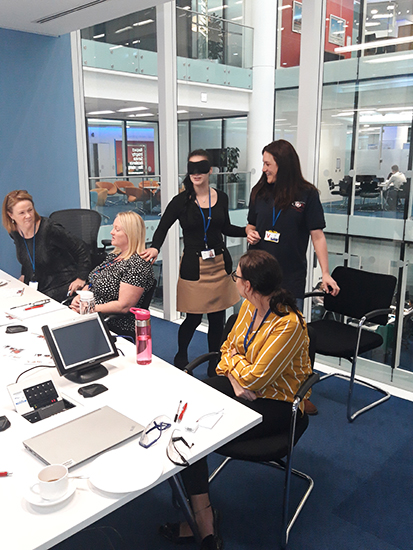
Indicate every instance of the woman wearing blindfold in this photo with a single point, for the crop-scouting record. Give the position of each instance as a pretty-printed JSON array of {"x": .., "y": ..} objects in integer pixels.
[{"x": 205, "y": 284}]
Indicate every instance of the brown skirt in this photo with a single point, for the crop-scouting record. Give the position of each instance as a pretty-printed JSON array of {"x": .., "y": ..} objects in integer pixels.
[{"x": 214, "y": 291}]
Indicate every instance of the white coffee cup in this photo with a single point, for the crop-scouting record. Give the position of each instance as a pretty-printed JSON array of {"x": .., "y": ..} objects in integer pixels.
[
  {"x": 53, "y": 482},
  {"x": 87, "y": 302}
]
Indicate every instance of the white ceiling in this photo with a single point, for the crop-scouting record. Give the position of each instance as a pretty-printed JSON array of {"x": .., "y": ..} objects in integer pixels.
[{"x": 23, "y": 15}]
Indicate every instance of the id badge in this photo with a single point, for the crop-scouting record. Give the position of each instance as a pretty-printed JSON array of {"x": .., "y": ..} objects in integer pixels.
[
  {"x": 272, "y": 236},
  {"x": 33, "y": 284},
  {"x": 207, "y": 254}
]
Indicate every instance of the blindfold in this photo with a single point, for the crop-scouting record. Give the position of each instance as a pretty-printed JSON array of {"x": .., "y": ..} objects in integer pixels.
[{"x": 200, "y": 167}]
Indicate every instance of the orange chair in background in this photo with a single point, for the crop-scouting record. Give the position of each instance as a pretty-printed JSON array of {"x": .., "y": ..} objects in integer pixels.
[
  {"x": 122, "y": 186},
  {"x": 111, "y": 187}
]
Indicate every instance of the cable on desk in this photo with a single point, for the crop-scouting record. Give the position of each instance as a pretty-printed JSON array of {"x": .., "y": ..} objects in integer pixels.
[{"x": 36, "y": 367}]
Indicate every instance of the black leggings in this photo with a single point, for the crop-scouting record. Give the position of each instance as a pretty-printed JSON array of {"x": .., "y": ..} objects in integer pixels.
[
  {"x": 186, "y": 332},
  {"x": 276, "y": 417}
]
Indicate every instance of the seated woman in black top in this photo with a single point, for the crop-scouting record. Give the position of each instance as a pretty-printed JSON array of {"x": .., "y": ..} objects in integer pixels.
[
  {"x": 53, "y": 260},
  {"x": 120, "y": 282},
  {"x": 204, "y": 284}
]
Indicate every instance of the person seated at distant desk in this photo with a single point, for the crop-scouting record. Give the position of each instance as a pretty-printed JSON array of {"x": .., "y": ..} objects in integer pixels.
[
  {"x": 53, "y": 260},
  {"x": 263, "y": 363},
  {"x": 392, "y": 186},
  {"x": 120, "y": 282}
]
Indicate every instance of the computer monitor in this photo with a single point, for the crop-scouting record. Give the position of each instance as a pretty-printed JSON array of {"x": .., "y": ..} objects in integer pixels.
[
  {"x": 78, "y": 347},
  {"x": 360, "y": 178}
]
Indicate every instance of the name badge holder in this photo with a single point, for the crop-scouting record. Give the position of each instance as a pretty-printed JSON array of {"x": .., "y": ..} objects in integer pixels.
[
  {"x": 271, "y": 235},
  {"x": 208, "y": 253}
]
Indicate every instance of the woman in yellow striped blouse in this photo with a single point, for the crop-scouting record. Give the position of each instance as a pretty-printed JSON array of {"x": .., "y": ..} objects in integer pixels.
[{"x": 263, "y": 362}]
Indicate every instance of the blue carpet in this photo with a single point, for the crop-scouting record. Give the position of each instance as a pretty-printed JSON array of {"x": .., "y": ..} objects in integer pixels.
[{"x": 362, "y": 472}]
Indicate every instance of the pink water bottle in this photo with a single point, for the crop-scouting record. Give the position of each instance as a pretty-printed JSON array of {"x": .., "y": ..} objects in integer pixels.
[{"x": 143, "y": 335}]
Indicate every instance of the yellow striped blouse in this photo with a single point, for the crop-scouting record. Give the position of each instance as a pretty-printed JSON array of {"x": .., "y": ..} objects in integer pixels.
[{"x": 277, "y": 360}]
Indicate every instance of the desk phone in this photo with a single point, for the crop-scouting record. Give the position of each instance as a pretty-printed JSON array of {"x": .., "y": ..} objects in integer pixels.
[{"x": 39, "y": 400}]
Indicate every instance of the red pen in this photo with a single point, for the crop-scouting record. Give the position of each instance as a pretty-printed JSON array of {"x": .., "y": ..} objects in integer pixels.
[
  {"x": 33, "y": 307},
  {"x": 5, "y": 474},
  {"x": 182, "y": 412}
]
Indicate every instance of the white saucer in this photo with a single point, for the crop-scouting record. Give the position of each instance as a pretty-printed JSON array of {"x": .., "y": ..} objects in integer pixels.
[
  {"x": 37, "y": 500},
  {"x": 123, "y": 471}
]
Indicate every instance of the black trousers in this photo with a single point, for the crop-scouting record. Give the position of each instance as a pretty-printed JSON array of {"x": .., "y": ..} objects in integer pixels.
[{"x": 276, "y": 418}]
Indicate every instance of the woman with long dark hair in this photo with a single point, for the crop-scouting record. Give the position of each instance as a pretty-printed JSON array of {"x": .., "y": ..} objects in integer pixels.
[
  {"x": 205, "y": 284},
  {"x": 284, "y": 211},
  {"x": 263, "y": 362}
]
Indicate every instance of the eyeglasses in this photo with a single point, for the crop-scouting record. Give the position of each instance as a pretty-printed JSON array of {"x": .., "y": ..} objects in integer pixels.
[
  {"x": 178, "y": 447},
  {"x": 234, "y": 276},
  {"x": 153, "y": 431}
]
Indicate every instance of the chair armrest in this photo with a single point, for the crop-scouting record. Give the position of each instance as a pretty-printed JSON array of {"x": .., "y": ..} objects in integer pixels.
[
  {"x": 315, "y": 293},
  {"x": 201, "y": 359},
  {"x": 106, "y": 242},
  {"x": 306, "y": 385},
  {"x": 375, "y": 313}
]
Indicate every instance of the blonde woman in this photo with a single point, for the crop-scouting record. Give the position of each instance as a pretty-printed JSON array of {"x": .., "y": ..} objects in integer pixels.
[{"x": 120, "y": 282}]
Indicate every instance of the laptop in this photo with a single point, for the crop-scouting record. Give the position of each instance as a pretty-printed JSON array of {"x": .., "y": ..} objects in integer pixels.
[{"x": 83, "y": 438}]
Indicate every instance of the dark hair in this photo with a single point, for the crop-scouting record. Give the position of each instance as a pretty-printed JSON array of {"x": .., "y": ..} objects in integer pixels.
[
  {"x": 189, "y": 187},
  {"x": 264, "y": 273},
  {"x": 290, "y": 179}
]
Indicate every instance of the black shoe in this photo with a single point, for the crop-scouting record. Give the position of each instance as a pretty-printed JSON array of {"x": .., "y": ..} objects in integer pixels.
[
  {"x": 171, "y": 532},
  {"x": 179, "y": 362},
  {"x": 211, "y": 542}
]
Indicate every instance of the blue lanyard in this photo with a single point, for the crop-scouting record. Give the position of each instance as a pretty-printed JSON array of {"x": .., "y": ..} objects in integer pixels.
[
  {"x": 99, "y": 269},
  {"x": 246, "y": 342},
  {"x": 206, "y": 226},
  {"x": 32, "y": 260},
  {"x": 274, "y": 219}
]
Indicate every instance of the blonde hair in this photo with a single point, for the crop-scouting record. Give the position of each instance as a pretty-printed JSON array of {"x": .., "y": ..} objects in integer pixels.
[
  {"x": 10, "y": 201},
  {"x": 134, "y": 227}
]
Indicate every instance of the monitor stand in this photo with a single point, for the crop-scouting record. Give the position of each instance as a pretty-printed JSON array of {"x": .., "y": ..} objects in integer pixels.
[{"x": 88, "y": 374}]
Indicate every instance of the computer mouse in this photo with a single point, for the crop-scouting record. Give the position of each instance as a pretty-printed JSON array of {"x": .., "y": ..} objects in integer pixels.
[
  {"x": 92, "y": 389},
  {"x": 4, "y": 423}
]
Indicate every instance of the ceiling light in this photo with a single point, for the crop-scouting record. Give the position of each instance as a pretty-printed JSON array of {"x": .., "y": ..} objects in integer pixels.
[
  {"x": 382, "y": 16},
  {"x": 99, "y": 35},
  {"x": 375, "y": 44},
  {"x": 100, "y": 112},
  {"x": 373, "y": 23},
  {"x": 130, "y": 109},
  {"x": 146, "y": 22},
  {"x": 374, "y": 11},
  {"x": 181, "y": 112},
  {"x": 391, "y": 7},
  {"x": 284, "y": 7},
  {"x": 143, "y": 114},
  {"x": 115, "y": 47},
  {"x": 237, "y": 18},
  {"x": 123, "y": 30}
]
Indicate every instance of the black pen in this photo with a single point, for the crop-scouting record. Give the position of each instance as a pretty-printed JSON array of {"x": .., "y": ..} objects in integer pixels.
[{"x": 177, "y": 412}]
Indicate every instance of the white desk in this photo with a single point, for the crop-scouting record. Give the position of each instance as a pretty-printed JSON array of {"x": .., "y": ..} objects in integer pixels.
[{"x": 141, "y": 392}]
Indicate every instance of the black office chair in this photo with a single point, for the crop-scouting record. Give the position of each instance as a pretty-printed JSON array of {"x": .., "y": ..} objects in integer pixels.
[
  {"x": 333, "y": 187},
  {"x": 275, "y": 451},
  {"x": 84, "y": 224},
  {"x": 370, "y": 190},
  {"x": 363, "y": 296}
]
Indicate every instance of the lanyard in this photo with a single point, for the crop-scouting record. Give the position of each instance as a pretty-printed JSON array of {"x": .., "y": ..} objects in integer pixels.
[
  {"x": 274, "y": 219},
  {"x": 32, "y": 260},
  {"x": 206, "y": 226},
  {"x": 99, "y": 269},
  {"x": 246, "y": 342}
]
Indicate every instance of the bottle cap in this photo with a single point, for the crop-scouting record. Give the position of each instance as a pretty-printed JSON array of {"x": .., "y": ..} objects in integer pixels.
[
  {"x": 85, "y": 294},
  {"x": 140, "y": 314}
]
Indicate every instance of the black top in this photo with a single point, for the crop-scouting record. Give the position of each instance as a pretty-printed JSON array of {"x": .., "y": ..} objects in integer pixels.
[
  {"x": 106, "y": 278},
  {"x": 191, "y": 221},
  {"x": 294, "y": 225},
  {"x": 60, "y": 258}
]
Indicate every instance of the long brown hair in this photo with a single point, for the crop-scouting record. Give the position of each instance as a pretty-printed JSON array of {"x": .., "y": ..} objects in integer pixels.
[
  {"x": 10, "y": 201},
  {"x": 290, "y": 179},
  {"x": 264, "y": 273}
]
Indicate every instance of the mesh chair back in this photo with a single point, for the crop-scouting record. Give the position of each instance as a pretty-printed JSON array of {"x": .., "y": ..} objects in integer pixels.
[
  {"x": 361, "y": 292},
  {"x": 82, "y": 223}
]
